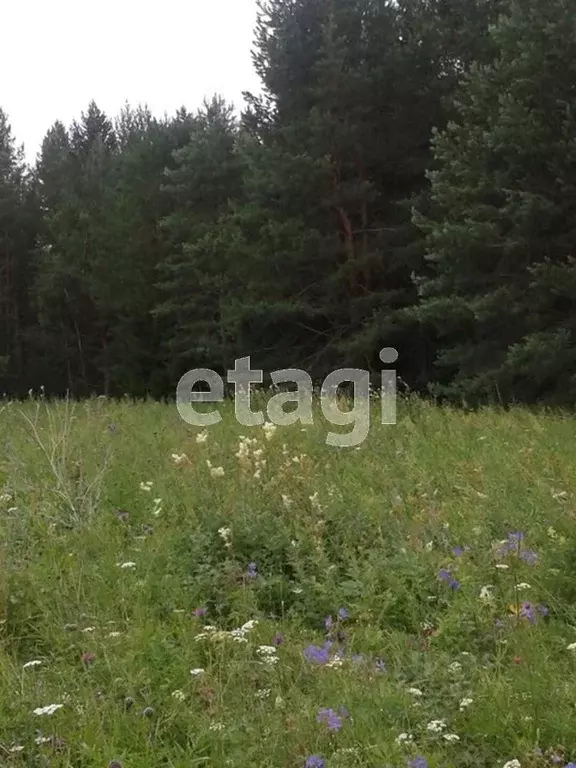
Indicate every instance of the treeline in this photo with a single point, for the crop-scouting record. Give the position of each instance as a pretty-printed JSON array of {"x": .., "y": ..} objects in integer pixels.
[{"x": 406, "y": 178}]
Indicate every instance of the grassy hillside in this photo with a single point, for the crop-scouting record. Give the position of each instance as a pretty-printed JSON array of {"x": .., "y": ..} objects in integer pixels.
[{"x": 170, "y": 590}]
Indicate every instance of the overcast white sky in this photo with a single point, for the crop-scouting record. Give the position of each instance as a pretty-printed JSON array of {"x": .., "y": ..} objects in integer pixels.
[{"x": 56, "y": 55}]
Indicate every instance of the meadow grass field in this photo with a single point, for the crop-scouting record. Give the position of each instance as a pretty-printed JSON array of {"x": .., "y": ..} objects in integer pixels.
[{"x": 253, "y": 598}]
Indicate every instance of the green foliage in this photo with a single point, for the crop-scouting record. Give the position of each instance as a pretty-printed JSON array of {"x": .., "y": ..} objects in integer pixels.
[
  {"x": 502, "y": 223},
  {"x": 326, "y": 530},
  {"x": 403, "y": 180}
]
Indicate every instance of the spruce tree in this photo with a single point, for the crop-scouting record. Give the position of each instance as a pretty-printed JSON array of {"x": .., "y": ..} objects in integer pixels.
[{"x": 501, "y": 228}]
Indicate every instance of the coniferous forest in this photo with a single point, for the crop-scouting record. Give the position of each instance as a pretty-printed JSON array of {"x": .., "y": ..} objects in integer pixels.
[{"x": 406, "y": 178}]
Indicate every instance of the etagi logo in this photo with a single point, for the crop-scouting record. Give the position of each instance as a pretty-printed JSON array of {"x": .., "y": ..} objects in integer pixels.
[{"x": 243, "y": 377}]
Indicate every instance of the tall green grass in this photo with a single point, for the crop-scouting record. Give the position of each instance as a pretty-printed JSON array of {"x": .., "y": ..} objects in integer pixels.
[{"x": 401, "y": 533}]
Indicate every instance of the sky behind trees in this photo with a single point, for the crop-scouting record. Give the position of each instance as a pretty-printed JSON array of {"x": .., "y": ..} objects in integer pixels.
[{"x": 60, "y": 54}]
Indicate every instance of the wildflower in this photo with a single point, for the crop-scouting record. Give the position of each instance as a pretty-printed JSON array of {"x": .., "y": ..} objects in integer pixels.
[
  {"x": 49, "y": 709},
  {"x": 523, "y": 585},
  {"x": 571, "y": 647},
  {"x": 179, "y": 458},
  {"x": 320, "y": 655},
  {"x": 268, "y": 654},
  {"x": 465, "y": 703},
  {"x": 512, "y": 764},
  {"x": 327, "y": 623},
  {"x": 380, "y": 665},
  {"x": 418, "y": 762},
  {"x": 451, "y": 737},
  {"x": 330, "y": 718},
  {"x": 114, "y": 764},
  {"x": 436, "y": 726},
  {"x": 147, "y": 712},
  {"x": 502, "y": 566},
  {"x": 278, "y": 639},
  {"x": 225, "y": 534},
  {"x": 16, "y": 748},
  {"x": 199, "y": 612},
  {"x": 269, "y": 430},
  {"x": 178, "y": 695},
  {"x": 486, "y": 593},
  {"x": 252, "y": 570},
  {"x": 217, "y": 471},
  {"x": 404, "y": 738},
  {"x": 249, "y": 625},
  {"x": 343, "y": 614},
  {"x": 202, "y": 437},
  {"x": 157, "y": 507},
  {"x": 263, "y": 693},
  {"x": 446, "y": 577},
  {"x": 527, "y": 612},
  {"x": 287, "y": 501},
  {"x": 415, "y": 692},
  {"x": 458, "y": 551},
  {"x": 126, "y": 565},
  {"x": 33, "y": 663},
  {"x": 147, "y": 486},
  {"x": 314, "y": 761},
  {"x": 114, "y": 634},
  {"x": 88, "y": 657},
  {"x": 196, "y": 672},
  {"x": 455, "y": 667},
  {"x": 89, "y": 629},
  {"x": 217, "y": 727},
  {"x": 530, "y": 558}
]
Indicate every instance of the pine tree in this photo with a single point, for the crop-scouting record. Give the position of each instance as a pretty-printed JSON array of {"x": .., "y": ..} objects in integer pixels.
[
  {"x": 501, "y": 229},
  {"x": 18, "y": 229},
  {"x": 341, "y": 148},
  {"x": 195, "y": 281}
]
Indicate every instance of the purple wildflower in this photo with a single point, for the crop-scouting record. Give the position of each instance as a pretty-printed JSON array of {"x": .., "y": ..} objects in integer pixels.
[
  {"x": 343, "y": 614},
  {"x": 327, "y": 623},
  {"x": 199, "y": 612},
  {"x": 527, "y": 612},
  {"x": 570, "y": 765},
  {"x": 418, "y": 762},
  {"x": 252, "y": 570},
  {"x": 556, "y": 759},
  {"x": 278, "y": 639},
  {"x": 314, "y": 761},
  {"x": 330, "y": 718},
  {"x": 318, "y": 655},
  {"x": 457, "y": 551},
  {"x": 542, "y": 609},
  {"x": 529, "y": 557},
  {"x": 447, "y": 577}
]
